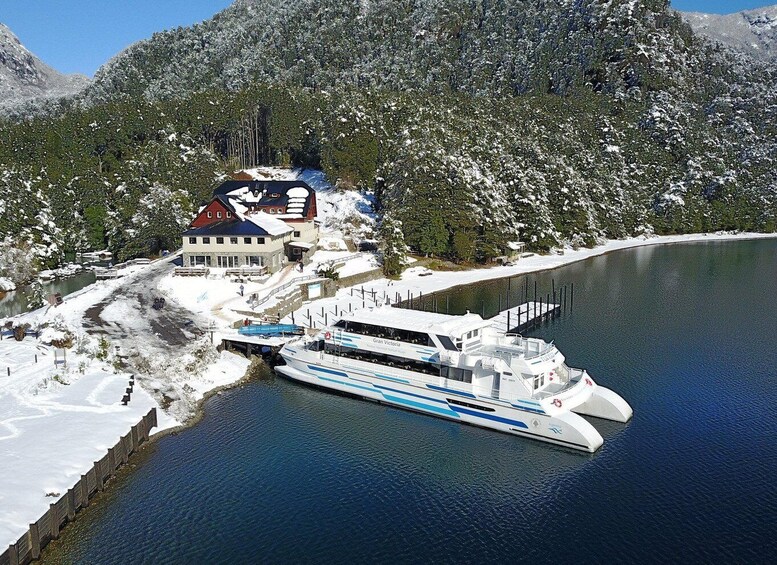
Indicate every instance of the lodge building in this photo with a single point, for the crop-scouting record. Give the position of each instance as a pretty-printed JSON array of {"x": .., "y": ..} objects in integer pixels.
[{"x": 253, "y": 223}]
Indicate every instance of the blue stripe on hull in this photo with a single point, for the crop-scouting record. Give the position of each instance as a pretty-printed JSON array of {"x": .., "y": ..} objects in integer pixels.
[
  {"x": 527, "y": 409},
  {"x": 450, "y": 391},
  {"x": 395, "y": 379},
  {"x": 327, "y": 371},
  {"x": 410, "y": 394},
  {"x": 420, "y": 406},
  {"x": 348, "y": 384}
]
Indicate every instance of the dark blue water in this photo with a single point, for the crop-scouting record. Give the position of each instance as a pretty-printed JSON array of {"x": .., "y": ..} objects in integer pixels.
[{"x": 278, "y": 472}]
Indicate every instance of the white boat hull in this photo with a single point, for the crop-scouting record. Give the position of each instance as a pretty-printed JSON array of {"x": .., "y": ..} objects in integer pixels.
[
  {"x": 527, "y": 420},
  {"x": 606, "y": 404}
]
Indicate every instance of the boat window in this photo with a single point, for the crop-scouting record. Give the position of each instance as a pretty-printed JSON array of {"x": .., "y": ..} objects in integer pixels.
[
  {"x": 447, "y": 343},
  {"x": 381, "y": 359},
  {"x": 469, "y": 405},
  {"x": 397, "y": 334},
  {"x": 340, "y": 324},
  {"x": 317, "y": 345},
  {"x": 456, "y": 374}
]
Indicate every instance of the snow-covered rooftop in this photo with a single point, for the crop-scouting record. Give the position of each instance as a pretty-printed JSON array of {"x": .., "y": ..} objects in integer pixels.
[
  {"x": 268, "y": 223},
  {"x": 419, "y": 321}
]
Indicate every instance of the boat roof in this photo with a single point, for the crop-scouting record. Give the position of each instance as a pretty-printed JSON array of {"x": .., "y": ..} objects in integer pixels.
[{"x": 417, "y": 320}]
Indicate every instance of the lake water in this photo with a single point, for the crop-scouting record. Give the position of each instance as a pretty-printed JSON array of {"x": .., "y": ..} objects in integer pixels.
[
  {"x": 279, "y": 472},
  {"x": 14, "y": 303}
]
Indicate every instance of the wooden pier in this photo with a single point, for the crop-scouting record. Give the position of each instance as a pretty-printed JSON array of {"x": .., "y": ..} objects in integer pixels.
[{"x": 524, "y": 316}]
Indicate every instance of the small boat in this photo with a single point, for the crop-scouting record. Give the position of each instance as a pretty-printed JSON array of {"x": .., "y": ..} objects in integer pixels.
[{"x": 456, "y": 367}]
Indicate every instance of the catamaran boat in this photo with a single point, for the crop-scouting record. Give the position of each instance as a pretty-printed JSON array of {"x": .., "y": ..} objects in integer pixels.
[{"x": 456, "y": 367}]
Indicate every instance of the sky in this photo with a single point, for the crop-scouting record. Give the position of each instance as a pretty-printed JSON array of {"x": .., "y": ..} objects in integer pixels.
[
  {"x": 77, "y": 36},
  {"x": 718, "y": 6}
]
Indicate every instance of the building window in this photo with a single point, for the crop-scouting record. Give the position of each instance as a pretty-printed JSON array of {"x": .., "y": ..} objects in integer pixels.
[
  {"x": 218, "y": 214},
  {"x": 229, "y": 214},
  {"x": 206, "y": 240},
  {"x": 247, "y": 240},
  {"x": 192, "y": 240},
  {"x": 210, "y": 214},
  {"x": 219, "y": 240},
  {"x": 233, "y": 240},
  {"x": 297, "y": 234},
  {"x": 255, "y": 261},
  {"x": 260, "y": 240}
]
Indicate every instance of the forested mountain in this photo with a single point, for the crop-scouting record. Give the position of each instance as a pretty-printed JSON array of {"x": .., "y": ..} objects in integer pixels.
[
  {"x": 477, "y": 122},
  {"x": 25, "y": 77},
  {"x": 753, "y": 32}
]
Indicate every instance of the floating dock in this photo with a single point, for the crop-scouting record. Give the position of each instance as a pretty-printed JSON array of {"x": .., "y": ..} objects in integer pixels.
[{"x": 250, "y": 345}]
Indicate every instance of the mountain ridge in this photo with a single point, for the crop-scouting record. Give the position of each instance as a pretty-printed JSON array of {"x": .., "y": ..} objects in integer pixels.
[
  {"x": 475, "y": 122},
  {"x": 24, "y": 77},
  {"x": 750, "y": 31}
]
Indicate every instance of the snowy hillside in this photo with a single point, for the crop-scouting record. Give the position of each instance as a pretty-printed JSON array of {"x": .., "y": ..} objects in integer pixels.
[
  {"x": 473, "y": 123},
  {"x": 753, "y": 31},
  {"x": 24, "y": 77}
]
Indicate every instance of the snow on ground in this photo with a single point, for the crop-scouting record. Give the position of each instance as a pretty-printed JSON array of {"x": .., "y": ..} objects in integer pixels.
[
  {"x": 76, "y": 304},
  {"x": 418, "y": 279},
  {"x": 342, "y": 212},
  {"x": 348, "y": 212},
  {"x": 219, "y": 299},
  {"x": 55, "y": 422}
]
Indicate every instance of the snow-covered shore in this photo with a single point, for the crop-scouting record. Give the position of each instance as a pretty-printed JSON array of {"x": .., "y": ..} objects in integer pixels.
[
  {"x": 412, "y": 282},
  {"x": 55, "y": 420}
]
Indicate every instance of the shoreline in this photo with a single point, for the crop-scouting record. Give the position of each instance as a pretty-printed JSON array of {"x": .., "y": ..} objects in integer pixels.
[
  {"x": 199, "y": 409},
  {"x": 540, "y": 263},
  {"x": 446, "y": 280},
  {"x": 141, "y": 456},
  {"x": 438, "y": 281}
]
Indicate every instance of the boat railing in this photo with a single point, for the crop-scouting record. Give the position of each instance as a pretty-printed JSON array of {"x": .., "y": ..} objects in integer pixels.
[
  {"x": 530, "y": 348},
  {"x": 539, "y": 349},
  {"x": 562, "y": 386}
]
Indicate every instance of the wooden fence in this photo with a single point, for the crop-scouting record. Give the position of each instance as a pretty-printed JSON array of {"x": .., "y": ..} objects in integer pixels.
[{"x": 64, "y": 510}]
